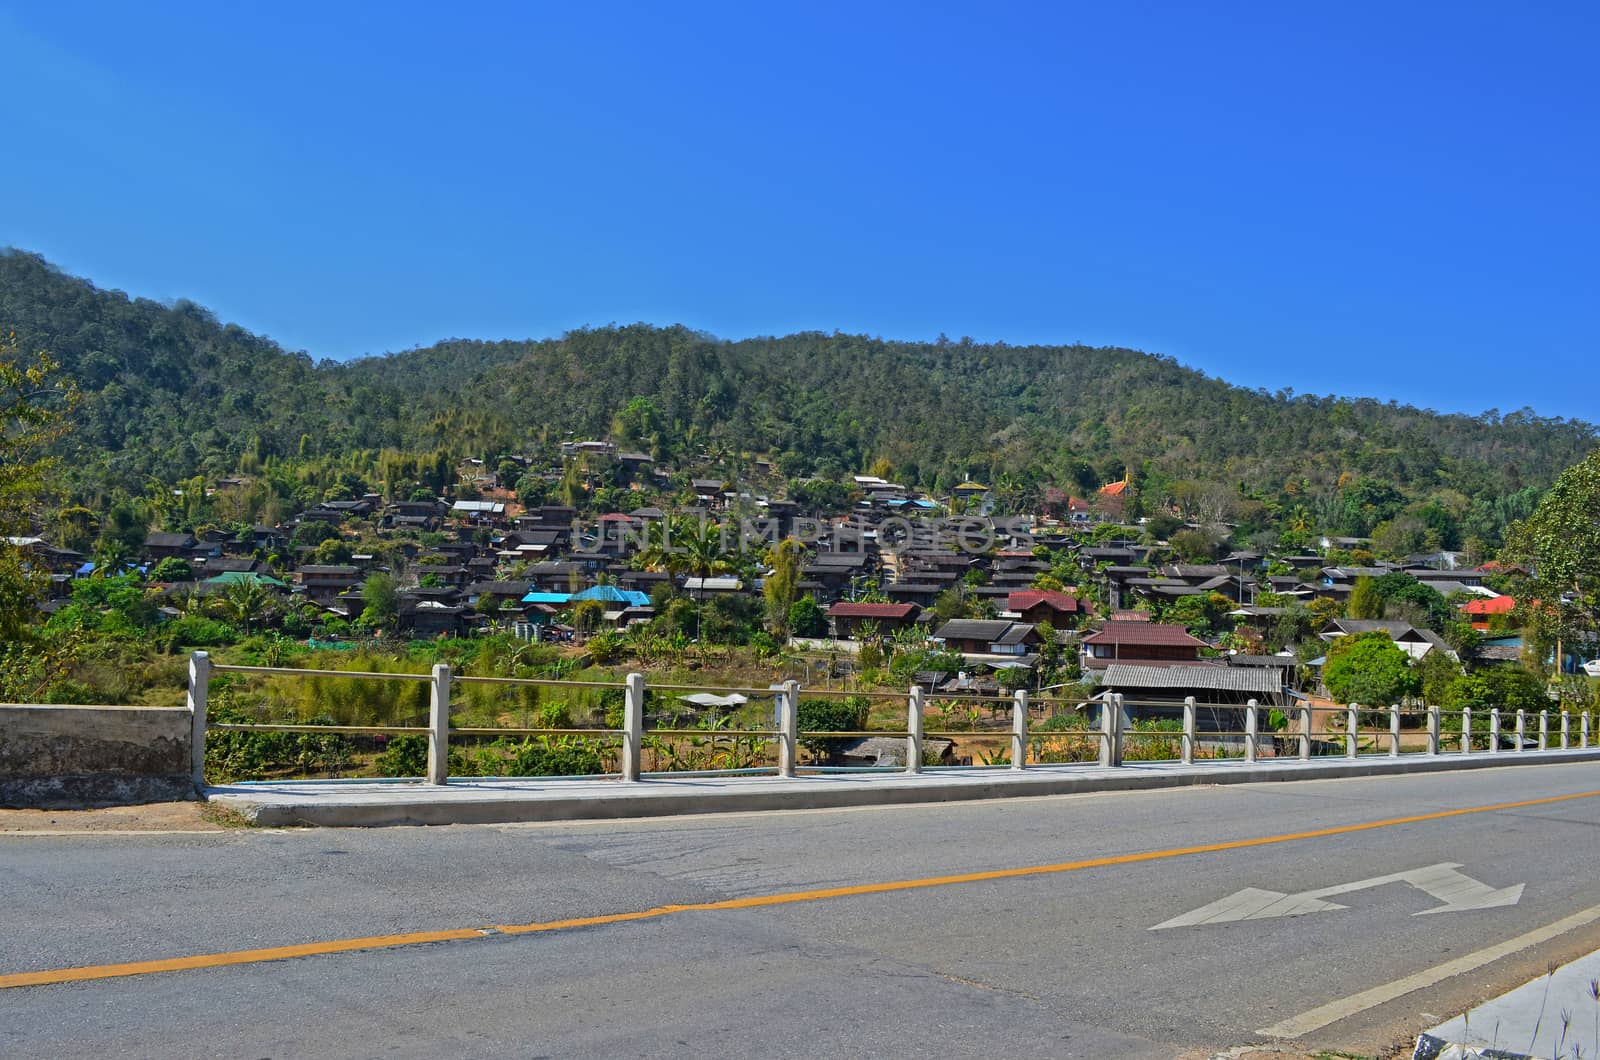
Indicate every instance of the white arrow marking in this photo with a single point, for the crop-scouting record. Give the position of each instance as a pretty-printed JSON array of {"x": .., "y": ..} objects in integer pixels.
[{"x": 1457, "y": 891}]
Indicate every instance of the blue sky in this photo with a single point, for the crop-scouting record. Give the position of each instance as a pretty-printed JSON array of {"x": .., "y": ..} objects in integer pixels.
[{"x": 1395, "y": 200}]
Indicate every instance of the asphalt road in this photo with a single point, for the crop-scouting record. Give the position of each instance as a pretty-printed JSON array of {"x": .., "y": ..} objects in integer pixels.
[{"x": 1057, "y": 963}]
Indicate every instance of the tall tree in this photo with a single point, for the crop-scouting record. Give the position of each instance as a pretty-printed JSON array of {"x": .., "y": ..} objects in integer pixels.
[
  {"x": 34, "y": 405},
  {"x": 1366, "y": 601},
  {"x": 1560, "y": 544},
  {"x": 781, "y": 585}
]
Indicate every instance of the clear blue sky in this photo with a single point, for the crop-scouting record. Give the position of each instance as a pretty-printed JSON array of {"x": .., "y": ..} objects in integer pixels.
[{"x": 1369, "y": 198}]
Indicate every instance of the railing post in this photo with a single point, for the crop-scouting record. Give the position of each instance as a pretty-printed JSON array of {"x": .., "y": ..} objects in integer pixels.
[
  {"x": 914, "y": 729},
  {"x": 1019, "y": 729},
  {"x": 1466, "y": 730},
  {"x": 1583, "y": 730},
  {"x": 1394, "y": 730},
  {"x": 788, "y": 728},
  {"x": 1110, "y": 730},
  {"x": 1566, "y": 729},
  {"x": 439, "y": 725},
  {"x": 1306, "y": 721},
  {"x": 1118, "y": 731},
  {"x": 1433, "y": 730},
  {"x": 1544, "y": 730},
  {"x": 1522, "y": 727},
  {"x": 1494, "y": 730},
  {"x": 1186, "y": 746},
  {"x": 199, "y": 693},
  {"x": 633, "y": 701},
  {"x": 1252, "y": 722},
  {"x": 1352, "y": 729}
]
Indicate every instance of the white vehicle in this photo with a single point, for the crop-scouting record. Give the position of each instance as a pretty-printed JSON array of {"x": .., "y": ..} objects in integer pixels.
[{"x": 1592, "y": 667}]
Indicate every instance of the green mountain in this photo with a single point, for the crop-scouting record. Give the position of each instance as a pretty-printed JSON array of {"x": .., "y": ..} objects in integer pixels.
[{"x": 172, "y": 392}]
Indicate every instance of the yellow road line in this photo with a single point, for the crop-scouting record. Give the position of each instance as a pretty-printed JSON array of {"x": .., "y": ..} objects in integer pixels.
[{"x": 415, "y": 938}]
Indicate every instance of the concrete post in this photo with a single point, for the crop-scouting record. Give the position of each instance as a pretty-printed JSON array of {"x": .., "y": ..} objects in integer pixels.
[
  {"x": 1494, "y": 730},
  {"x": 1466, "y": 730},
  {"x": 199, "y": 693},
  {"x": 788, "y": 728},
  {"x": 1252, "y": 721},
  {"x": 1522, "y": 727},
  {"x": 1117, "y": 730},
  {"x": 633, "y": 700},
  {"x": 1394, "y": 730},
  {"x": 1566, "y": 729},
  {"x": 1110, "y": 723},
  {"x": 1433, "y": 730},
  {"x": 439, "y": 725},
  {"x": 1544, "y": 730},
  {"x": 1306, "y": 721},
  {"x": 1583, "y": 730},
  {"x": 1019, "y": 729},
  {"x": 914, "y": 728},
  {"x": 1186, "y": 746},
  {"x": 1352, "y": 729}
]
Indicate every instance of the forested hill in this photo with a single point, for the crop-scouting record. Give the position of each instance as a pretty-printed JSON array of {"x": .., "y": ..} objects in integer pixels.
[{"x": 172, "y": 392}]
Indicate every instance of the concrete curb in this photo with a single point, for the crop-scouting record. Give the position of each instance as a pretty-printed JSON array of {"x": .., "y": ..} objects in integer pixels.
[{"x": 337, "y": 804}]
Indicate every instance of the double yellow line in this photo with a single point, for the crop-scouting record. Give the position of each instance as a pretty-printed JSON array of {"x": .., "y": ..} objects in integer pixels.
[{"x": 418, "y": 938}]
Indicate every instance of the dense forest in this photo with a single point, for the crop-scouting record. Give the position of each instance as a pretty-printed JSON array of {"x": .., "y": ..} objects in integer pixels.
[{"x": 170, "y": 393}]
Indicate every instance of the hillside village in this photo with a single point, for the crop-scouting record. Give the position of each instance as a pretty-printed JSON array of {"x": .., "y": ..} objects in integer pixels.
[{"x": 985, "y": 594}]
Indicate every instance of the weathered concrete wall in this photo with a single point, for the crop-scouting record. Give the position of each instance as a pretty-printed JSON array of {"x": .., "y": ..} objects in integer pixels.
[{"x": 72, "y": 757}]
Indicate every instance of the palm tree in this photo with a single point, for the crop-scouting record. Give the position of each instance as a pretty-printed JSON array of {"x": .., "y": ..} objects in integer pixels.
[
  {"x": 242, "y": 601},
  {"x": 703, "y": 556},
  {"x": 659, "y": 552}
]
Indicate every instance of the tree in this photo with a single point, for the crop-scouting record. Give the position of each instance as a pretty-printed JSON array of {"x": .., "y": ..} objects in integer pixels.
[
  {"x": 78, "y": 528},
  {"x": 781, "y": 583},
  {"x": 243, "y": 601},
  {"x": 1365, "y": 600},
  {"x": 334, "y": 550},
  {"x": 1202, "y": 615},
  {"x": 382, "y": 600},
  {"x": 1510, "y": 688},
  {"x": 806, "y": 618},
  {"x": 1560, "y": 542},
  {"x": 172, "y": 569},
  {"x": 1194, "y": 546},
  {"x": 1368, "y": 668},
  {"x": 34, "y": 406}
]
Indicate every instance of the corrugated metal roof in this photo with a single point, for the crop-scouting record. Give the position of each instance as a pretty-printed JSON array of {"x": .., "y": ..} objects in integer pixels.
[{"x": 1262, "y": 681}]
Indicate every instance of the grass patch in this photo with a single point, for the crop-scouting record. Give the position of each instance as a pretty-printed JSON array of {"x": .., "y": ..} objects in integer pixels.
[{"x": 224, "y": 817}]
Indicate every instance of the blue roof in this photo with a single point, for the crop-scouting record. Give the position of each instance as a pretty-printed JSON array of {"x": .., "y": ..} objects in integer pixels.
[
  {"x": 546, "y": 598},
  {"x": 610, "y": 594}
]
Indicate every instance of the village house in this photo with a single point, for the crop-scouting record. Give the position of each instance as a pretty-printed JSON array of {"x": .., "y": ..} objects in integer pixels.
[
  {"x": 323, "y": 583},
  {"x": 1144, "y": 643},
  {"x": 989, "y": 637},
  {"x": 847, "y": 619},
  {"x": 1061, "y": 610}
]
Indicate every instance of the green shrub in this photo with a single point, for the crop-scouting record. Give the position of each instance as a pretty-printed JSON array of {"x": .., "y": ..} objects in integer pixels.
[
  {"x": 197, "y": 631},
  {"x": 405, "y": 755},
  {"x": 555, "y": 756},
  {"x": 830, "y": 715}
]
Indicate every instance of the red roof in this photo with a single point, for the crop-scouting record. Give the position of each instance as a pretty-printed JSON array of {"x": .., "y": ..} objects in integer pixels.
[
  {"x": 1154, "y": 634},
  {"x": 1499, "y": 605},
  {"x": 1021, "y": 601},
  {"x": 845, "y": 609},
  {"x": 1113, "y": 490}
]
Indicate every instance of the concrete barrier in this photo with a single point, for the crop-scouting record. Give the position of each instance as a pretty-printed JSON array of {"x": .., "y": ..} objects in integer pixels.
[{"x": 69, "y": 757}]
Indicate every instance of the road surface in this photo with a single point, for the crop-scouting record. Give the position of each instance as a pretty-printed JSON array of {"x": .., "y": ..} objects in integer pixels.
[{"x": 1016, "y": 927}]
